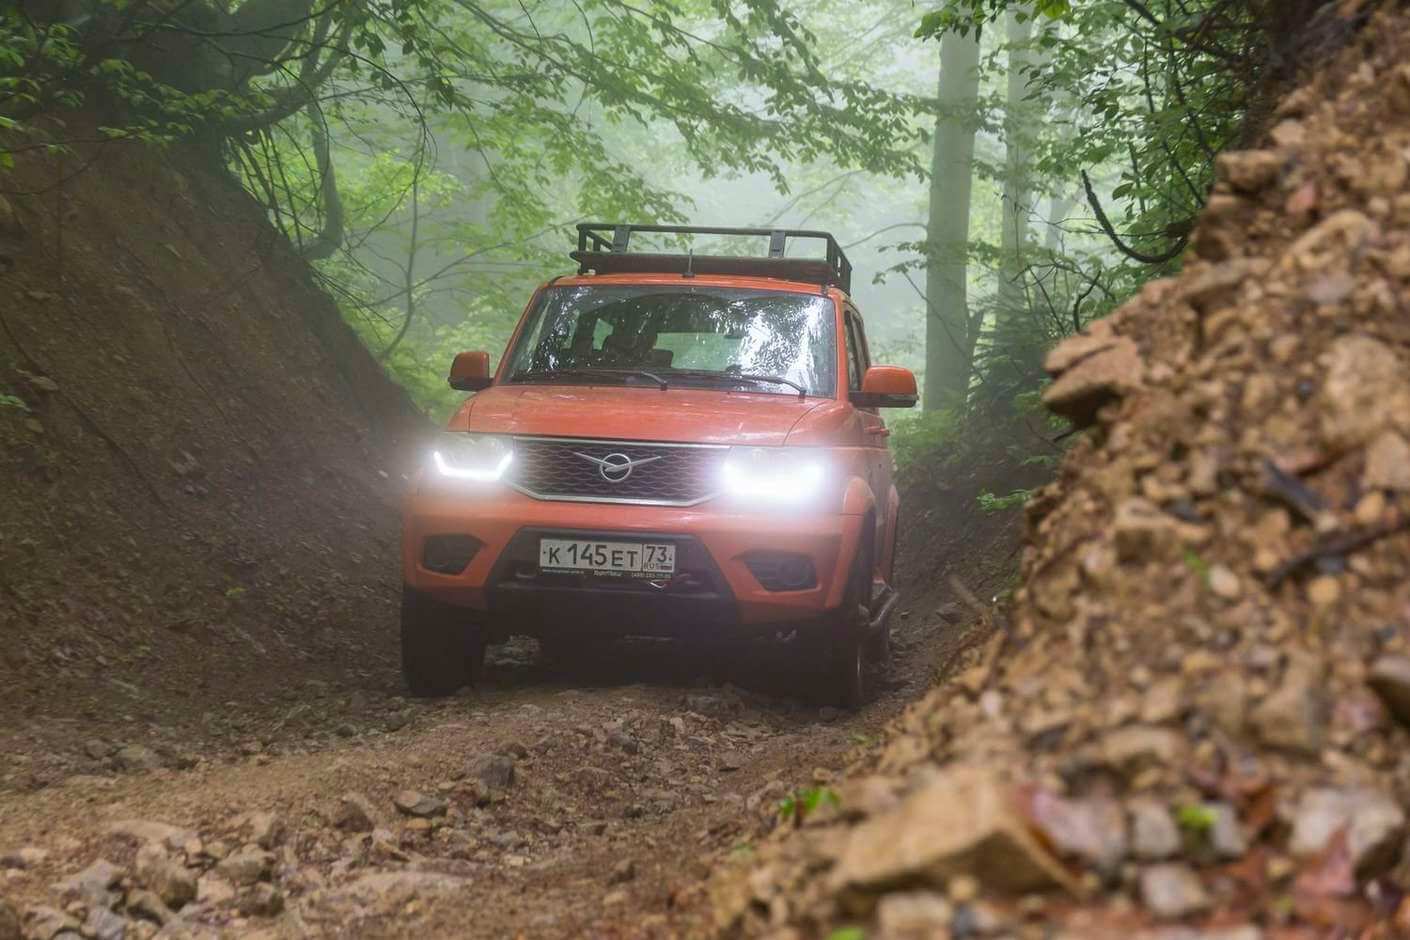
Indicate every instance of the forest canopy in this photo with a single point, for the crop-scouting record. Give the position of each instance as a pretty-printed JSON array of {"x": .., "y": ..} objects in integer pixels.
[{"x": 429, "y": 155}]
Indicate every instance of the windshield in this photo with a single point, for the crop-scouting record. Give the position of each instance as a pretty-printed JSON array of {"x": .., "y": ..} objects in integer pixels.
[{"x": 767, "y": 341}]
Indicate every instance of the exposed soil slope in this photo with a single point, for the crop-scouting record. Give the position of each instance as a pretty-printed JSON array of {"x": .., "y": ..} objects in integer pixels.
[
  {"x": 1196, "y": 723},
  {"x": 198, "y": 505}
]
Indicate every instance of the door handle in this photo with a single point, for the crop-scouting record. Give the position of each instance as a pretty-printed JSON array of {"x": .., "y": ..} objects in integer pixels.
[{"x": 882, "y": 431}]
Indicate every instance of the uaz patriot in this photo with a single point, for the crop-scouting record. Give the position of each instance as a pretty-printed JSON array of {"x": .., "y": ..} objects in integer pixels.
[{"x": 673, "y": 445}]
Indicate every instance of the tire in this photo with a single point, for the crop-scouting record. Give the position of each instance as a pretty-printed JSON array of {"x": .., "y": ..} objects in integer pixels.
[
  {"x": 845, "y": 652},
  {"x": 436, "y": 642}
]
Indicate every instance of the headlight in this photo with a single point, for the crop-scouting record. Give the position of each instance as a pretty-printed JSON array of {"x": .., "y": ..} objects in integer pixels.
[
  {"x": 473, "y": 457},
  {"x": 780, "y": 475}
]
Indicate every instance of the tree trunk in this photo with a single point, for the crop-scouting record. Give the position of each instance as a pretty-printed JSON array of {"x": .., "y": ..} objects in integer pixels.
[
  {"x": 1018, "y": 175},
  {"x": 949, "y": 336}
]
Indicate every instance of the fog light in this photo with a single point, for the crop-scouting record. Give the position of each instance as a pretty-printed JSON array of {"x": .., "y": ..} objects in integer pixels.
[
  {"x": 448, "y": 554},
  {"x": 779, "y": 571}
]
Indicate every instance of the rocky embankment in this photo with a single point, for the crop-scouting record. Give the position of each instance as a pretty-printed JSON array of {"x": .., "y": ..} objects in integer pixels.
[{"x": 1195, "y": 723}]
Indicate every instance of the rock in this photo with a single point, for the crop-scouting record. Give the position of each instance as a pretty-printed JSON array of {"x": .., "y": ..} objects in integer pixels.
[
  {"x": 620, "y": 739},
  {"x": 9, "y": 921},
  {"x": 830, "y": 713},
  {"x": 1389, "y": 678},
  {"x": 93, "y": 885},
  {"x": 266, "y": 830},
  {"x": 622, "y": 872},
  {"x": 97, "y": 750},
  {"x": 1092, "y": 829},
  {"x": 1142, "y": 531},
  {"x": 46, "y": 923},
  {"x": 213, "y": 891},
  {"x": 914, "y": 914},
  {"x": 146, "y": 905},
  {"x": 263, "y": 900},
  {"x": 354, "y": 813},
  {"x": 246, "y": 866},
  {"x": 1132, "y": 749},
  {"x": 1224, "y": 583},
  {"x": 1171, "y": 891},
  {"x": 145, "y": 830},
  {"x": 871, "y": 795},
  {"x": 729, "y": 762},
  {"x": 23, "y": 859},
  {"x": 135, "y": 757},
  {"x": 962, "y": 821},
  {"x": 1387, "y": 463},
  {"x": 1091, "y": 381},
  {"x": 1295, "y": 717},
  {"x": 1249, "y": 171},
  {"x": 495, "y": 771},
  {"x": 415, "y": 803},
  {"x": 103, "y": 924},
  {"x": 1365, "y": 388},
  {"x": 1226, "y": 835},
  {"x": 165, "y": 877},
  {"x": 1154, "y": 834},
  {"x": 1375, "y": 826},
  {"x": 1323, "y": 592}
]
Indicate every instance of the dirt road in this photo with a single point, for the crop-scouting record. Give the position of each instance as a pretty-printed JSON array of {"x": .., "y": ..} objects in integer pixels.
[{"x": 552, "y": 802}]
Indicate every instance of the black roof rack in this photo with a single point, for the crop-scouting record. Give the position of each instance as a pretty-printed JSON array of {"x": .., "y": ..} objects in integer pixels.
[{"x": 602, "y": 247}]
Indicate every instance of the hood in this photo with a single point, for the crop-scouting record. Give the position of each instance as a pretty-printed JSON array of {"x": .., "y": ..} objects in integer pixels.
[{"x": 687, "y": 415}]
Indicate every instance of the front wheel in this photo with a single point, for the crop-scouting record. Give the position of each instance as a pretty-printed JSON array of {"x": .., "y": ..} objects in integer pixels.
[
  {"x": 846, "y": 655},
  {"x": 436, "y": 645}
]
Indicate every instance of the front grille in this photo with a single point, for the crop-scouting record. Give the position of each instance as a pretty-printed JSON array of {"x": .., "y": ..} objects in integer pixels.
[{"x": 560, "y": 468}]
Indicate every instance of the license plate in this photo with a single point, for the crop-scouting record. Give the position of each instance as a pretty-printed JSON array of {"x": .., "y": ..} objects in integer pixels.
[{"x": 619, "y": 559}]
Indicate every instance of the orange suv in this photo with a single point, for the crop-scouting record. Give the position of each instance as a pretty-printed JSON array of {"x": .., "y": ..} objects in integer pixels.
[{"x": 674, "y": 445}]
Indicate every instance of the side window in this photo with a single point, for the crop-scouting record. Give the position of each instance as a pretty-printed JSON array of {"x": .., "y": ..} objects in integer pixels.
[{"x": 856, "y": 355}]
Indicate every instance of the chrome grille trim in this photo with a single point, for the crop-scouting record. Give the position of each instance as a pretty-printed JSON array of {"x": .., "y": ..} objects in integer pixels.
[{"x": 631, "y": 494}]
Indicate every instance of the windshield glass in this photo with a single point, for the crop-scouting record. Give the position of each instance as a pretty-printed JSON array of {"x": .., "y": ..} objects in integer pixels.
[{"x": 684, "y": 335}]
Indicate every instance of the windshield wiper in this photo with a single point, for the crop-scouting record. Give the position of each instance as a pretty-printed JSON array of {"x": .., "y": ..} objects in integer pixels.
[
  {"x": 738, "y": 377},
  {"x": 561, "y": 373}
]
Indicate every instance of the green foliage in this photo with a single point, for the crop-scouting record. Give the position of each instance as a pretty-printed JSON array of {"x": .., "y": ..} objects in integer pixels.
[
  {"x": 924, "y": 437},
  {"x": 990, "y": 503},
  {"x": 848, "y": 933},
  {"x": 964, "y": 15},
  {"x": 1195, "y": 818},
  {"x": 13, "y": 401},
  {"x": 1196, "y": 563},
  {"x": 797, "y": 806}
]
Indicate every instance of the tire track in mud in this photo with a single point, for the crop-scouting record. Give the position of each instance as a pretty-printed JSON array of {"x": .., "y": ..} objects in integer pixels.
[{"x": 633, "y": 777}]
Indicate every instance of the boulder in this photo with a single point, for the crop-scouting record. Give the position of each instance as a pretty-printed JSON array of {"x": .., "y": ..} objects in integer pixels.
[
  {"x": 1249, "y": 171},
  {"x": 494, "y": 771},
  {"x": 965, "y": 820},
  {"x": 354, "y": 813},
  {"x": 1375, "y": 827},
  {"x": 246, "y": 866},
  {"x": 1154, "y": 834},
  {"x": 1103, "y": 376},
  {"x": 418, "y": 804},
  {"x": 1171, "y": 891},
  {"x": 1295, "y": 716}
]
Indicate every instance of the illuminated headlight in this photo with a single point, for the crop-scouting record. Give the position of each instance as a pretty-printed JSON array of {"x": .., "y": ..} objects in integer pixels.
[
  {"x": 779, "y": 475},
  {"x": 473, "y": 457}
]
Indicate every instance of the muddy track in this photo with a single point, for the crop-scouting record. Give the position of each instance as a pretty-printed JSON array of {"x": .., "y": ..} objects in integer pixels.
[{"x": 634, "y": 773}]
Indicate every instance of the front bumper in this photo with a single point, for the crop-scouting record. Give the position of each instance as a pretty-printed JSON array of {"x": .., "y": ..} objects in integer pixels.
[{"x": 712, "y": 540}]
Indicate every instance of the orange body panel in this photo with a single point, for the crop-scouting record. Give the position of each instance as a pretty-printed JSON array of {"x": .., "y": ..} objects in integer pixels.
[{"x": 858, "y": 485}]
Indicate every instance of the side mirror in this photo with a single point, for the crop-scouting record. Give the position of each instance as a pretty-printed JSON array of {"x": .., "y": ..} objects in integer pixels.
[
  {"x": 470, "y": 372},
  {"x": 886, "y": 387}
]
